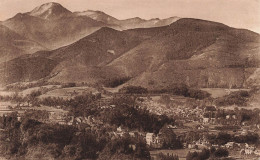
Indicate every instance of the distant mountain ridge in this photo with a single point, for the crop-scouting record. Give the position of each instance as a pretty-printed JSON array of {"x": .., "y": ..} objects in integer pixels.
[
  {"x": 196, "y": 52},
  {"x": 52, "y": 32},
  {"x": 93, "y": 47},
  {"x": 130, "y": 23},
  {"x": 54, "y": 26}
]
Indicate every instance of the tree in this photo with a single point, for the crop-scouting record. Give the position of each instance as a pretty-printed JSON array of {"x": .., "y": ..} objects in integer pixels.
[
  {"x": 114, "y": 82},
  {"x": 133, "y": 90},
  {"x": 192, "y": 156},
  {"x": 203, "y": 155},
  {"x": 161, "y": 156},
  {"x": 221, "y": 152},
  {"x": 169, "y": 138},
  {"x": 32, "y": 97},
  {"x": 133, "y": 148}
]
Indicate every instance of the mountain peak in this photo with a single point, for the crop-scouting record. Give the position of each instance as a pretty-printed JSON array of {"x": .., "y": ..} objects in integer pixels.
[
  {"x": 155, "y": 19},
  {"x": 94, "y": 11},
  {"x": 193, "y": 24},
  {"x": 50, "y": 10},
  {"x": 98, "y": 16},
  {"x": 135, "y": 20},
  {"x": 138, "y": 18},
  {"x": 91, "y": 13}
]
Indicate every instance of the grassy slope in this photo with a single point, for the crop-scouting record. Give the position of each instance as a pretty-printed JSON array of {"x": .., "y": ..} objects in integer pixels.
[
  {"x": 83, "y": 60},
  {"x": 195, "y": 52},
  {"x": 13, "y": 45},
  {"x": 25, "y": 68}
]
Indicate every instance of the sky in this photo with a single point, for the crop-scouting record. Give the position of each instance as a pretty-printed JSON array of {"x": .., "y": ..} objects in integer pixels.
[{"x": 235, "y": 13}]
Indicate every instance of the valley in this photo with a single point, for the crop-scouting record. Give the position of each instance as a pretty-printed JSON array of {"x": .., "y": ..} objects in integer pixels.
[
  {"x": 54, "y": 103},
  {"x": 80, "y": 85}
]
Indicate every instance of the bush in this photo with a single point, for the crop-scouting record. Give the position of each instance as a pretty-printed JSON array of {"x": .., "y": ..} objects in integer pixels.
[
  {"x": 220, "y": 139},
  {"x": 133, "y": 147},
  {"x": 235, "y": 98},
  {"x": 50, "y": 151},
  {"x": 68, "y": 85},
  {"x": 29, "y": 123},
  {"x": 161, "y": 156},
  {"x": 198, "y": 94},
  {"x": 192, "y": 156},
  {"x": 250, "y": 138},
  {"x": 220, "y": 152},
  {"x": 133, "y": 90},
  {"x": 183, "y": 90},
  {"x": 32, "y": 97},
  {"x": 116, "y": 82},
  {"x": 41, "y": 115},
  {"x": 170, "y": 140},
  {"x": 205, "y": 154}
]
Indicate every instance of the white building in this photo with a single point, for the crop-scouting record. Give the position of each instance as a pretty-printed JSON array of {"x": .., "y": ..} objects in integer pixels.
[
  {"x": 150, "y": 137},
  {"x": 205, "y": 120}
]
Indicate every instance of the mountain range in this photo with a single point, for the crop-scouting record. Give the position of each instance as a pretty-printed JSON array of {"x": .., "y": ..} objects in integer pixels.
[
  {"x": 93, "y": 47},
  {"x": 53, "y": 26}
]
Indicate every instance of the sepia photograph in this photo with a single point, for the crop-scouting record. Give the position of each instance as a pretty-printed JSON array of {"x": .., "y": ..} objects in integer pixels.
[{"x": 129, "y": 79}]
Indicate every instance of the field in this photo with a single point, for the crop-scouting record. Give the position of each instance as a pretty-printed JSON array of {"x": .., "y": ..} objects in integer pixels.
[
  {"x": 30, "y": 90},
  {"x": 46, "y": 108},
  {"x": 220, "y": 92},
  {"x": 67, "y": 93},
  {"x": 6, "y": 93}
]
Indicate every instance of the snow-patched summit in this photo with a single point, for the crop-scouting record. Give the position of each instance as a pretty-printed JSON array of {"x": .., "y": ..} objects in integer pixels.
[
  {"x": 50, "y": 11},
  {"x": 98, "y": 16}
]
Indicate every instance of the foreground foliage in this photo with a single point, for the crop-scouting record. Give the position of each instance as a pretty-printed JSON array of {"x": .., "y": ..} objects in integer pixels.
[{"x": 33, "y": 139}]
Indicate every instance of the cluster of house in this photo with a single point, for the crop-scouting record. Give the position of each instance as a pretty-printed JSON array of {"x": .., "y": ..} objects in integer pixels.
[
  {"x": 57, "y": 117},
  {"x": 183, "y": 111},
  {"x": 121, "y": 132},
  {"x": 153, "y": 140},
  {"x": 203, "y": 114},
  {"x": 244, "y": 148},
  {"x": 90, "y": 121},
  {"x": 209, "y": 115}
]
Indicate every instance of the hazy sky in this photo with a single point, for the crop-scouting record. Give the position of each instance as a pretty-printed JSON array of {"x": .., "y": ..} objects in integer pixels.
[{"x": 235, "y": 13}]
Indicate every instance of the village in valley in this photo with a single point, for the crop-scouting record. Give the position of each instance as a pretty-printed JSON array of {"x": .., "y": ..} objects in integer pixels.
[
  {"x": 175, "y": 125},
  {"x": 129, "y": 80}
]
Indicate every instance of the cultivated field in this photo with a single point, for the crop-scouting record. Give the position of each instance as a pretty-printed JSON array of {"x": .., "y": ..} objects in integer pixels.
[
  {"x": 220, "y": 92},
  {"x": 67, "y": 93}
]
